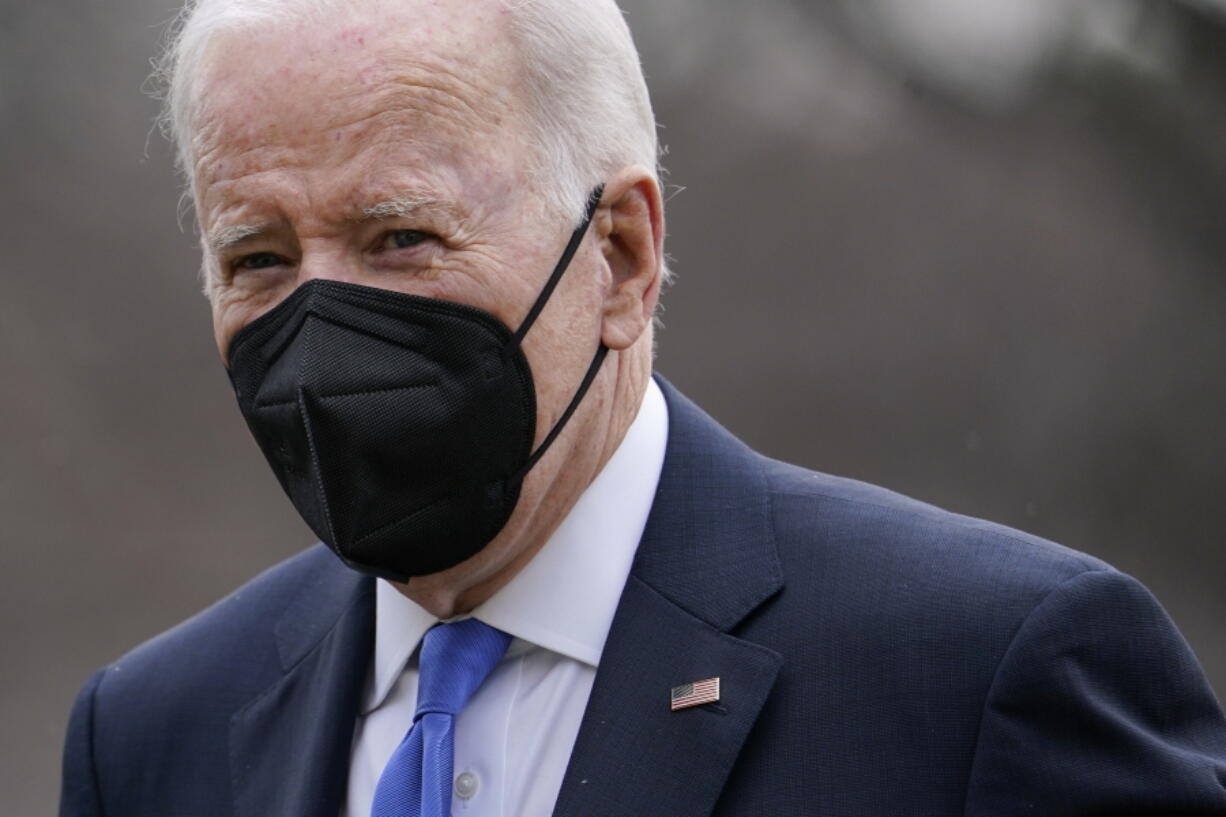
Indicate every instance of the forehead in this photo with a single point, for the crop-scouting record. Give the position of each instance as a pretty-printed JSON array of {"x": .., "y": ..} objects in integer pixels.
[{"x": 438, "y": 80}]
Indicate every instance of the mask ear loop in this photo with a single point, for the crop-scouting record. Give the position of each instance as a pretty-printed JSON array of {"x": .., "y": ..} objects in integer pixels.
[
  {"x": 594, "y": 367},
  {"x": 574, "y": 404},
  {"x": 568, "y": 254}
]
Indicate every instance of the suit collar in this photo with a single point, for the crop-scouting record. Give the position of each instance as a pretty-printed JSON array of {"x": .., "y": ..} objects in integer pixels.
[
  {"x": 709, "y": 544},
  {"x": 299, "y": 730},
  {"x": 320, "y": 602},
  {"x": 706, "y": 561}
]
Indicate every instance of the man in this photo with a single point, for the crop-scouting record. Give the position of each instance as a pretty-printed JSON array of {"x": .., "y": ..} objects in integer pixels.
[{"x": 433, "y": 248}]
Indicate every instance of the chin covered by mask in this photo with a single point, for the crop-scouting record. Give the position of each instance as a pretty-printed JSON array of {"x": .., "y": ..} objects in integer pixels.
[{"x": 400, "y": 427}]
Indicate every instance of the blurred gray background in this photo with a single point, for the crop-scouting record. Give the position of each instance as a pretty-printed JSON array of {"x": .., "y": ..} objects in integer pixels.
[{"x": 969, "y": 250}]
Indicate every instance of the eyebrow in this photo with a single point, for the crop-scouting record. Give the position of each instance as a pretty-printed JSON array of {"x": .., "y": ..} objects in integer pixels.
[
  {"x": 225, "y": 237},
  {"x": 400, "y": 206},
  {"x": 406, "y": 205}
]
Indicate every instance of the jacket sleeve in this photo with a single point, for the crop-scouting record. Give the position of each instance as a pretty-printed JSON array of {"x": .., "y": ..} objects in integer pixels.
[
  {"x": 79, "y": 794},
  {"x": 1099, "y": 707}
]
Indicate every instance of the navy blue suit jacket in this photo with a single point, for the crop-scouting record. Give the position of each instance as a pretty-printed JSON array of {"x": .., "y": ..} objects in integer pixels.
[{"x": 878, "y": 656}]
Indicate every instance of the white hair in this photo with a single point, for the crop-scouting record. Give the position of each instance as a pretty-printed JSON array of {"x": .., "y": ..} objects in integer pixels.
[{"x": 590, "y": 111}]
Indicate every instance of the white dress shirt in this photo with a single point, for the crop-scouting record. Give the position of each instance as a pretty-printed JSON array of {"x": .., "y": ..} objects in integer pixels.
[{"x": 514, "y": 738}]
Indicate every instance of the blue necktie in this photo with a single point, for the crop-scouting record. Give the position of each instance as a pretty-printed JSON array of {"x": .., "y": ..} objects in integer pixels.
[{"x": 455, "y": 658}]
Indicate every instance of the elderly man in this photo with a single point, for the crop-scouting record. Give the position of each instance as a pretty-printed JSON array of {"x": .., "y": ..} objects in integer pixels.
[{"x": 433, "y": 248}]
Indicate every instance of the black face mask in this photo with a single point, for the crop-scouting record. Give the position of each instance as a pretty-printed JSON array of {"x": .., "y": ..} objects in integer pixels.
[{"x": 401, "y": 427}]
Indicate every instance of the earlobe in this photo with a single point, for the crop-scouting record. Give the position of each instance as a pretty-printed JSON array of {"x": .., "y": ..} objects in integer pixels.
[{"x": 630, "y": 226}]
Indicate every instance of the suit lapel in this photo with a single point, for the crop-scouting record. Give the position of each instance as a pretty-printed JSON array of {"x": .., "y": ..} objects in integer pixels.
[
  {"x": 707, "y": 560},
  {"x": 633, "y": 756},
  {"x": 299, "y": 731}
]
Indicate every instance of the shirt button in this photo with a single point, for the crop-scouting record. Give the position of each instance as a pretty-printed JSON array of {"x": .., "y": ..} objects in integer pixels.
[{"x": 466, "y": 785}]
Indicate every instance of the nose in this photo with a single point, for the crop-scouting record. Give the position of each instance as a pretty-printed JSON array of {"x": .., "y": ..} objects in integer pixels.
[{"x": 331, "y": 261}]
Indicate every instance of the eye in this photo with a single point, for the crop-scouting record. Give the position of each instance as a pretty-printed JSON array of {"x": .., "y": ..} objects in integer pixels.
[
  {"x": 259, "y": 260},
  {"x": 404, "y": 239}
]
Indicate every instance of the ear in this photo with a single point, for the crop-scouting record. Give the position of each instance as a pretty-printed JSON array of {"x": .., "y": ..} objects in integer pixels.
[{"x": 630, "y": 227}]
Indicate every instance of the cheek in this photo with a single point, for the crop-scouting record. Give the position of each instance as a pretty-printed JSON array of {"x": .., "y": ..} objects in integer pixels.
[
  {"x": 490, "y": 279},
  {"x": 232, "y": 312},
  {"x": 561, "y": 344},
  {"x": 221, "y": 334},
  {"x": 226, "y": 323}
]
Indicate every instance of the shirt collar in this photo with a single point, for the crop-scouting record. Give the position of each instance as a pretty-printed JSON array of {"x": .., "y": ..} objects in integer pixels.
[{"x": 565, "y": 597}]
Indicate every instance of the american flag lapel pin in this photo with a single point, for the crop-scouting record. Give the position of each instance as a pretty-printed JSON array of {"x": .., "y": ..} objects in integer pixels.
[{"x": 694, "y": 694}]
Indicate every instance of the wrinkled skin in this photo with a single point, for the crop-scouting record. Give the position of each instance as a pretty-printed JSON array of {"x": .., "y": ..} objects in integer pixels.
[{"x": 390, "y": 148}]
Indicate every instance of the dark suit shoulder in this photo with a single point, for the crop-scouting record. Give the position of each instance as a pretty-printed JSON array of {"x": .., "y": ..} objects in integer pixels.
[
  {"x": 226, "y": 650},
  {"x": 976, "y": 668},
  {"x": 831, "y": 523},
  {"x": 886, "y": 581},
  {"x": 170, "y": 704}
]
